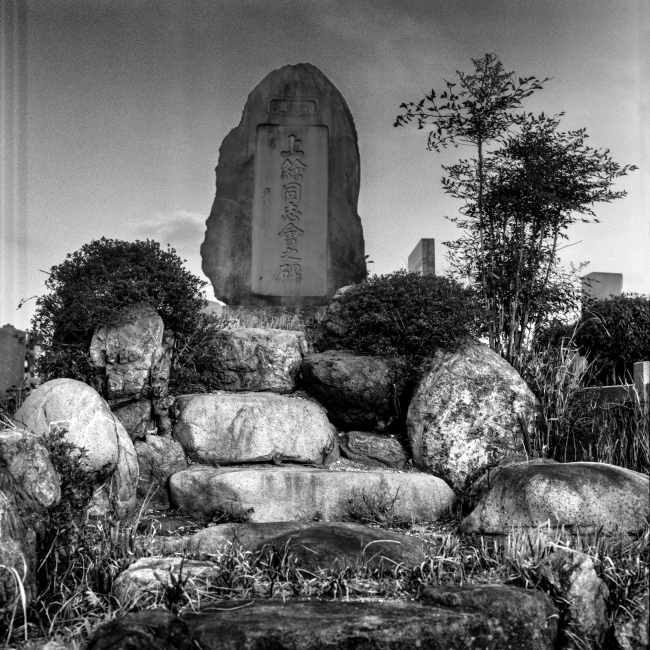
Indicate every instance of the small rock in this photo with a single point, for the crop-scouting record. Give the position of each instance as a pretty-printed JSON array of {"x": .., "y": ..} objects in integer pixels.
[
  {"x": 372, "y": 449},
  {"x": 632, "y": 634},
  {"x": 149, "y": 577},
  {"x": 158, "y": 458},
  {"x": 574, "y": 577},
  {"x": 135, "y": 416}
]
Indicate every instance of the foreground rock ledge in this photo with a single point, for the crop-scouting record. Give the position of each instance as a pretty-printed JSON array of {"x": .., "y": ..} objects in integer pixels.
[
  {"x": 306, "y": 494},
  {"x": 487, "y": 617},
  {"x": 316, "y": 544}
]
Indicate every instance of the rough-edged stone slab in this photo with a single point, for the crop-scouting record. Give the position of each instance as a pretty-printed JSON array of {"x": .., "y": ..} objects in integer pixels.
[
  {"x": 574, "y": 577},
  {"x": 467, "y": 412},
  {"x": 29, "y": 486},
  {"x": 149, "y": 629},
  {"x": 254, "y": 359},
  {"x": 335, "y": 323},
  {"x": 136, "y": 417},
  {"x": 134, "y": 355},
  {"x": 359, "y": 392},
  {"x": 258, "y": 198},
  {"x": 302, "y": 494},
  {"x": 584, "y": 495},
  {"x": 472, "y": 617},
  {"x": 90, "y": 425},
  {"x": 225, "y": 428},
  {"x": 372, "y": 449},
  {"x": 158, "y": 458},
  {"x": 522, "y": 622},
  {"x": 315, "y": 544}
]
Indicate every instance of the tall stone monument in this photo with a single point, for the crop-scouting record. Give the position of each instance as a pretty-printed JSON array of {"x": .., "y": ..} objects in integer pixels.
[{"x": 284, "y": 228}]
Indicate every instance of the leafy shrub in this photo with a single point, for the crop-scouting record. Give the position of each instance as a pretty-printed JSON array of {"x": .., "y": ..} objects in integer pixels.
[
  {"x": 616, "y": 333},
  {"x": 67, "y": 518},
  {"x": 91, "y": 286},
  {"x": 409, "y": 315}
]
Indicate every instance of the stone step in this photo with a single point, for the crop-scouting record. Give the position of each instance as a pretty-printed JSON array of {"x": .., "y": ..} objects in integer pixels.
[
  {"x": 490, "y": 617},
  {"x": 315, "y": 544},
  {"x": 263, "y": 494},
  {"x": 227, "y": 428}
]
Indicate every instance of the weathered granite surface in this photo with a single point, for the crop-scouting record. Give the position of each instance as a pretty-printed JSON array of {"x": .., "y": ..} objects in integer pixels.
[{"x": 468, "y": 411}]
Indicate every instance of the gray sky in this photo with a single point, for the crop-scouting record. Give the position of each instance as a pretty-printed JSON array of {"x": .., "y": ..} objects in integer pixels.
[{"x": 127, "y": 103}]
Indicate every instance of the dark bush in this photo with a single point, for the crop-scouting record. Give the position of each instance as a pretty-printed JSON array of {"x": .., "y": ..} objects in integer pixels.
[
  {"x": 409, "y": 315},
  {"x": 195, "y": 367},
  {"x": 91, "y": 286},
  {"x": 615, "y": 333}
]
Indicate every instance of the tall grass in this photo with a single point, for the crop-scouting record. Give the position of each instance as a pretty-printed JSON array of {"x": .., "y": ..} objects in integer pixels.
[{"x": 573, "y": 422}]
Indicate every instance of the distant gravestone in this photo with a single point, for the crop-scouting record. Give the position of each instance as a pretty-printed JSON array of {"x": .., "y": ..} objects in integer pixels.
[
  {"x": 602, "y": 286},
  {"x": 284, "y": 228},
  {"x": 423, "y": 257},
  {"x": 12, "y": 360}
]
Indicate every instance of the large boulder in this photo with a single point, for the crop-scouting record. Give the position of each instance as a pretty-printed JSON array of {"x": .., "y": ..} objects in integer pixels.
[
  {"x": 90, "y": 425},
  {"x": 316, "y": 544},
  {"x": 133, "y": 357},
  {"x": 359, "y": 392},
  {"x": 467, "y": 412},
  {"x": 296, "y": 117},
  {"x": 226, "y": 428},
  {"x": 305, "y": 494},
  {"x": 158, "y": 458},
  {"x": 29, "y": 486},
  {"x": 574, "y": 495},
  {"x": 255, "y": 359},
  {"x": 372, "y": 449}
]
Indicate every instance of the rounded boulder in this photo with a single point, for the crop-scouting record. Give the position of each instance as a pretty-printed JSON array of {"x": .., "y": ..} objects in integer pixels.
[
  {"x": 574, "y": 495},
  {"x": 467, "y": 412},
  {"x": 89, "y": 424}
]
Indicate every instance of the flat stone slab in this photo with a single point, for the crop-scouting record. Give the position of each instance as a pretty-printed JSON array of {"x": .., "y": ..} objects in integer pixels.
[
  {"x": 229, "y": 428},
  {"x": 315, "y": 544},
  {"x": 489, "y": 617},
  {"x": 308, "y": 494},
  {"x": 574, "y": 495}
]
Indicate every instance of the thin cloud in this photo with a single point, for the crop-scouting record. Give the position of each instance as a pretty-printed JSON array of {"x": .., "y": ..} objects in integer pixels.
[{"x": 182, "y": 229}]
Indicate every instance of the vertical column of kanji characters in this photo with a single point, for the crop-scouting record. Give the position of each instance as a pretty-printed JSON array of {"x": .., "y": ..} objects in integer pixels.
[{"x": 291, "y": 173}]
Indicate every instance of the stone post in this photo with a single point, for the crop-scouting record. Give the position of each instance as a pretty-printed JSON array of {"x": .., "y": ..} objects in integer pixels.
[{"x": 642, "y": 382}]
